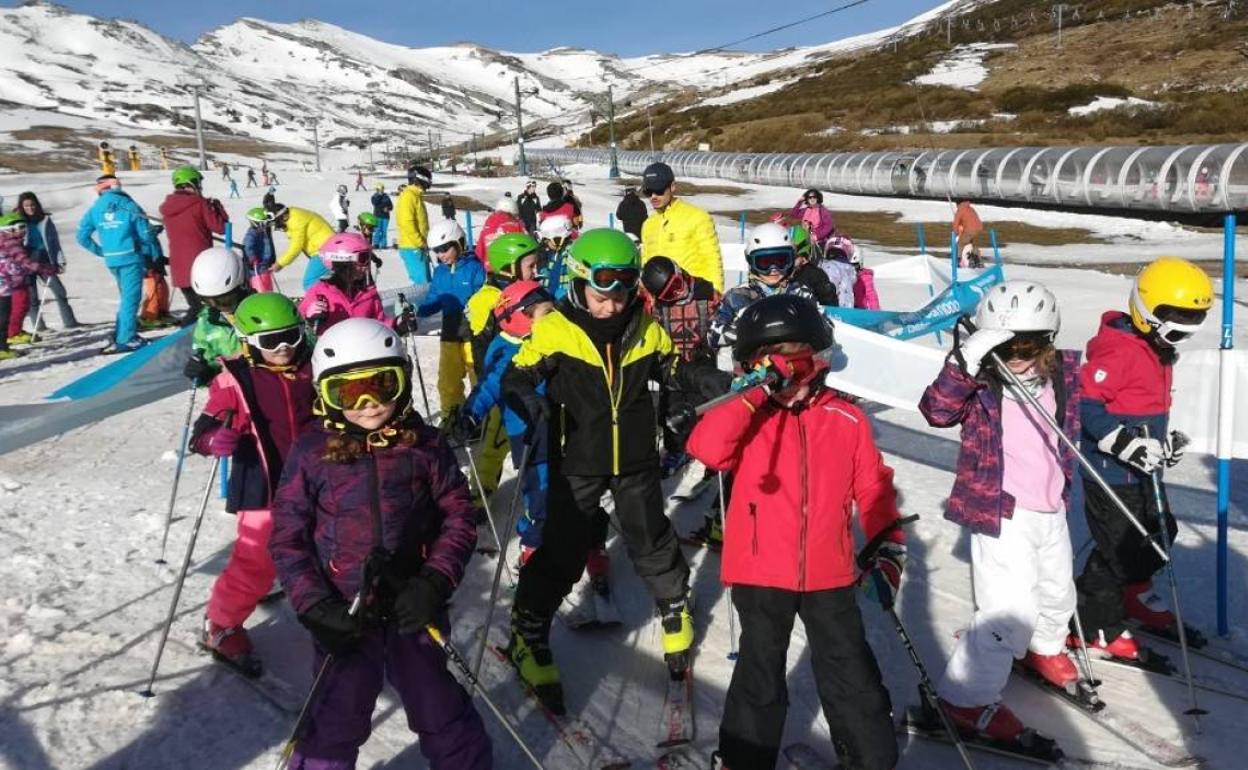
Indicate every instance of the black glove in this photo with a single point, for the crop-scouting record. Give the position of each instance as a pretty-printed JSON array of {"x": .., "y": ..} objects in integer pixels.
[
  {"x": 198, "y": 371},
  {"x": 1174, "y": 446},
  {"x": 420, "y": 601},
  {"x": 534, "y": 407},
  {"x": 465, "y": 428},
  {"x": 332, "y": 625},
  {"x": 681, "y": 417},
  {"x": 406, "y": 323}
]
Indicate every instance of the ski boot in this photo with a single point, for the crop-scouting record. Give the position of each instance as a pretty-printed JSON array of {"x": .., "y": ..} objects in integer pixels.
[
  {"x": 1145, "y": 606},
  {"x": 8, "y": 355},
  {"x": 677, "y": 634},
  {"x": 710, "y": 535},
  {"x": 1122, "y": 647},
  {"x": 995, "y": 721},
  {"x": 529, "y": 651},
  {"x": 1057, "y": 669},
  {"x": 231, "y": 646},
  {"x": 21, "y": 338},
  {"x": 113, "y": 348}
]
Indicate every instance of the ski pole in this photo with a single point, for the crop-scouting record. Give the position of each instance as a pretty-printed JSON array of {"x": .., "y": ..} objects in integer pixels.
[
  {"x": 1195, "y": 711},
  {"x": 177, "y": 473},
  {"x": 1088, "y": 467},
  {"x": 732, "y": 611},
  {"x": 485, "y": 498},
  {"x": 757, "y": 378},
  {"x": 1093, "y": 682},
  {"x": 462, "y": 665},
  {"x": 502, "y": 555},
  {"x": 412, "y": 353},
  {"x": 177, "y": 588},
  {"x": 43, "y": 302}
]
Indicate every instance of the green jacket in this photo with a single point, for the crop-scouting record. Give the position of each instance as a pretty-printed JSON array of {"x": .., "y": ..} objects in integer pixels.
[{"x": 214, "y": 338}]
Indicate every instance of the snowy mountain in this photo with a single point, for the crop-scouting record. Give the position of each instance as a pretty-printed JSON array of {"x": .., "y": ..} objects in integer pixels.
[{"x": 265, "y": 80}]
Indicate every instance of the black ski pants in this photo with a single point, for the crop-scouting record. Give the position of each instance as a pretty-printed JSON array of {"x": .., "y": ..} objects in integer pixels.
[
  {"x": 1121, "y": 555},
  {"x": 851, "y": 690},
  {"x": 193, "y": 305},
  {"x": 573, "y": 515}
]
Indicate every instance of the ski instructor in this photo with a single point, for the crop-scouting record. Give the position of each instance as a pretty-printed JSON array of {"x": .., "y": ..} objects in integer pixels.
[{"x": 679, "y": 230}]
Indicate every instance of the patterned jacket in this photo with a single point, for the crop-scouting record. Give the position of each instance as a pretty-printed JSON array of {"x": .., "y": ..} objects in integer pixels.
[{"x": 977, "y": 501}]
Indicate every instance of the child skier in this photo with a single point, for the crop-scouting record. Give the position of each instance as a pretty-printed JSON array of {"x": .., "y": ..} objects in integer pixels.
[
  {"x": 375, "y": 488},
  {"x": 1012, "y": 492},
  {"x": 838, "y": 256},
  {"x": 340, "y": 208},
  {"x": 256, "y": 408},
  {"x": 787, "y": 548},
  {"x": 556, "y": 234},
  {"x": 259, "y": 253},
  {"x": 190, "y": 221},
  {"x": 382, "y": 206},
  {"x": 306, "y": 232},
  {"x": 217, "y": 276},
  {"x": 865, "y": 296},
  {"x": 807, "y": 271},
  {"x": 596, "y": 356},
  {"x": 15, "y": 271},
  {"x": 366, "y": 224},
  {"x": 347, "y": 291},
  {"x": 1127, "y": 384},
  {"x": 771, "y": 257},
  {"x": 457, "y": 277}
]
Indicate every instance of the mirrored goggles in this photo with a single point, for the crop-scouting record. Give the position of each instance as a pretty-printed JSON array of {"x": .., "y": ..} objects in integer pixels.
[
  {"x": 1024, "y": 346},
  {"x": 677, "y": 288},
  {"x": 275, "y": 341},
  {"x": 609, "y": 279},
  {"x": 1178, "y": 324},
  {"x": 766, "y": 261},
  {"x": 356, "y": 389}
]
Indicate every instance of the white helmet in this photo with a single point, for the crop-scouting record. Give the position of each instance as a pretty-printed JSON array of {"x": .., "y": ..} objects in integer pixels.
[
  {"x": 444, "y": 232},
  {"x": 1019, "y": 306},
  {"x": 768, "y": 235},
  {"x": 216, "y": 272},
  {"x": 554, "y": 228},
  {"x": 342, "y": 189},
  {"x": 507, "y": 205},
  {"x": 353, "y": 343}
]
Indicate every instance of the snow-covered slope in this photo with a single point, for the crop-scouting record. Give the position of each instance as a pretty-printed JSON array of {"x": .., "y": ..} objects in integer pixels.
[{"x": 266, "y": 80}]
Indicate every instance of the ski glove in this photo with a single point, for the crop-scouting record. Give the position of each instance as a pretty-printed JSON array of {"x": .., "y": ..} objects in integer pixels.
[
  {"x": 405, "y": 324},
  {"x": 1143, "y": 454},
  {"x": 223, "y": 441},
  {"x": 681, "y": 417},
  {"x": 333, "y": 626},
  {"x": 319, "y": 308},
  {"x": 883, "y": 578},
  {"x": 1174, "y": 446},
  {"x": 534, "y": 407},
  {"x": 465, "y": 428},
  {"x": 421, "y": 600},
  {"x": 198, "y": 371},
  {"x": 970, "y": 354}
]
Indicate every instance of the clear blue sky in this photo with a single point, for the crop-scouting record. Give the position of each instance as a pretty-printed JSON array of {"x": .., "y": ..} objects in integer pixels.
[{"x": 626, "y": 27}]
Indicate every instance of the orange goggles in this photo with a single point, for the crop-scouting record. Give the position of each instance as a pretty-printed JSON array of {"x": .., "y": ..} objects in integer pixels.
[{"x": 356, "y": 389}]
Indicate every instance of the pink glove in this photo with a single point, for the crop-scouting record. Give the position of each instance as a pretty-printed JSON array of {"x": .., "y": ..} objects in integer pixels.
[
  {"x": 224, "y": 441},
  {"x": 320, "y": 307}
]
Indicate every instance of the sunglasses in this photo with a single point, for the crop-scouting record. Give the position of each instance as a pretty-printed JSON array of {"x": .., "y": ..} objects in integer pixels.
[
  {"x": 609, "y": 279},
  {"x": 351, "y": 390},
  {"x": 275, "y": 341},
  {"x": 1024, "y": 346},
  {"x": 771, "y": 261}
]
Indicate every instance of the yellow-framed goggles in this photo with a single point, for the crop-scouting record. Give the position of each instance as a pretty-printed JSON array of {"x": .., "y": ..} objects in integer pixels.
[{"x": 359, "y": 387}]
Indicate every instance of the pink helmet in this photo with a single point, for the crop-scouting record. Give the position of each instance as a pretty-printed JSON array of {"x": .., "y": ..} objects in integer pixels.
[
  {"x": 841, "y": 248},
  {"x": 345, "y": 247}
]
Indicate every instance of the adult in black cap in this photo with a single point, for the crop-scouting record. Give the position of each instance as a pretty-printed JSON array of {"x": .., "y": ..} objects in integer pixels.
[{"x": 678, "y": 229}]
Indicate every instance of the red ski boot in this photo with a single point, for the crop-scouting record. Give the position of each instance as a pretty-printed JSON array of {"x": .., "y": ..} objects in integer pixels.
[
  {"x": 1122, "y": 647},
  {"x": 995, "y": 722},
  {"x": 1145, "y": 606},
  {"x": 1057, "y": 669},
  {"x": 232, "y": 647}
]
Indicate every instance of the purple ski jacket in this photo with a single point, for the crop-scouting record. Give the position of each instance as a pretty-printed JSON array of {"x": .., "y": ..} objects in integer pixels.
[
  {"x": 977, "y": 501},
  {"x": 323, "y": 523}
]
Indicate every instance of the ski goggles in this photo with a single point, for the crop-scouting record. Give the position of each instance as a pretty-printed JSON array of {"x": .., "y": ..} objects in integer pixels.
[
  {"x": 225, "y": 302},
  {"x": 764, "y": 261},
  {"x": 1024, "y": 346},
  {"x": 444, "y": 247},
  {"x": 609, "y": 279},
  {"x": 675, "y": 290},
  {"x": 277, "y": 340},
  {"x": 1174, "y": 324},
  {"x": 351, "y": 390}
]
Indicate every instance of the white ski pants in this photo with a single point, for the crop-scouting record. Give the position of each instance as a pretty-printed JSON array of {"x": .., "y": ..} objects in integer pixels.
[{"x": 1024, "y": 598}]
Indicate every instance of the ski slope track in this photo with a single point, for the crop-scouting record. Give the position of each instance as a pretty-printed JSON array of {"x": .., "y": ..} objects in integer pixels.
[{"x": 81, "y": 517}]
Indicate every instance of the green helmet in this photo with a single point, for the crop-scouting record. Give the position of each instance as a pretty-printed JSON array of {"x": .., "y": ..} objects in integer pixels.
[
  {"x": 186, "y": 175},
  {"x": 11, "y": 221},
  {"x": 508, "y": 249},
  {"x": 267, "y": 312},
  {"x": 602, "y": 247},
  {"x": 367, "y": 218},
  {"x": 260, "y": 215},
  {"x": 801, "y": 239}
]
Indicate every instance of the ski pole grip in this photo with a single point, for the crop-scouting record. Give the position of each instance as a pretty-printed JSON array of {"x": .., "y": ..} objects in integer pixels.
[{"x": 864, "y": 557}]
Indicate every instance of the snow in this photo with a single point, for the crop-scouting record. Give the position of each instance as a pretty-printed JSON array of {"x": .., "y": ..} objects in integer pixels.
[
  {"x": 749, "y": 92},
  {"x": 1102, "y": 103},
  {"x": 81, "y": 518},
  {"x": 963, "y": 67}
]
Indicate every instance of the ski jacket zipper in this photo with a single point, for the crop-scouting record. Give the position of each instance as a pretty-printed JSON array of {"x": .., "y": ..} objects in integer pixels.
[{"x": 801, "y": 541}]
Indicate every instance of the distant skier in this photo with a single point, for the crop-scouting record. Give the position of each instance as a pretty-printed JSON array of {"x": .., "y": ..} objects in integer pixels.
[
  {"x": 259, "y": 404},
  {"x": 259, "y": 252},
  {"x": 340, "y": 208},
  {"x": 1012, "y": 492},
  {"x": 251, "y": 177},
  {"x": 359, "y": 180},
  {"x": 803, "y": 460},
  {"x": 528, "y": 205},
  {"x": 234, "y": 188},
  {"x": 382, "y": 206},
  {"x": 502, "y": 220},
  {"x": 190, "y": 222},
  {"x": 810, "y": 211},
  {"x": 16, "y": 268},
  {"x": 402, "y": 553},
  {"x": 968, "y": 227},
  {"x": 1128, "y": 381},
  {"x": 413, "y": 223},
  {"x": 306, "y": 231},
  {"x": 43, "y": 242}
]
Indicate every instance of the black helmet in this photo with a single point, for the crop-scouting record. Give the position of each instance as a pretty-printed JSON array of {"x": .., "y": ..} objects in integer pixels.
[
  {"x": 664, "y": 280},
  {"x": 780, "y": 318},
  {"x": 554, "y": 191},
  {"x": 420, "y": 175}
]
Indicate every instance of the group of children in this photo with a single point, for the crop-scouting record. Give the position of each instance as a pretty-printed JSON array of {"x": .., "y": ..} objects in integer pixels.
[{"x": 357, "y": 503}]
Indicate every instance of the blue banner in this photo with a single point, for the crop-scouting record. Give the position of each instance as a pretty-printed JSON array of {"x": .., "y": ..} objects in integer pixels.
[
  {"x": 938, "y": 315},
  {"x": 166, "y": 357}
]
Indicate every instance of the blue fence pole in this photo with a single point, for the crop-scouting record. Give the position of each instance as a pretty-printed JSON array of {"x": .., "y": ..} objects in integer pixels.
[
  {"x": 996, "y": 250},
  {"x": 229, "y": 235},
  {"x": 1226, "y": 406},
  {"x": 468, "y": 219},
  {"x": 224, "y": 477},
  {"x": 922, "y": 239},
  {"x": 953, "y": 255},
  {"x": 611, "y": 220},
  {"x": 743, "y": 227}
]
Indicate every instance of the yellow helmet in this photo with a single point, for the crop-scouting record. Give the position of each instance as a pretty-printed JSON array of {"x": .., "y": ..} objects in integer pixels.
[{"x": 1170, "y": 297}]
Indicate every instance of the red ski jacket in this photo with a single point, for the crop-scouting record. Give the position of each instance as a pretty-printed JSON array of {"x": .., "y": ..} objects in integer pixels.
[
  {"x": 797, "y": 474},
  {"x": 190, "y": 221}
]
